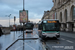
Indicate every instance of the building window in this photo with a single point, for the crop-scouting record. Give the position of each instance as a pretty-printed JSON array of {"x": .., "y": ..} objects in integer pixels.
[
  {"x": 73, "y": 13},
  {"x": 60, "y": 16},
  {"x": 65, "y": 15}
]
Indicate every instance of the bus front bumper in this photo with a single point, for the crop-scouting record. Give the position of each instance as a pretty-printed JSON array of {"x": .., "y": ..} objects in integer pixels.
[{"x": 51, "y": 35}]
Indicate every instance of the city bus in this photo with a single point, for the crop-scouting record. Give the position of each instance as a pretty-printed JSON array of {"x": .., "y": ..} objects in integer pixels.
[
  {"x": 49, "y": 28},
  {"x": 29, "y": 27}
]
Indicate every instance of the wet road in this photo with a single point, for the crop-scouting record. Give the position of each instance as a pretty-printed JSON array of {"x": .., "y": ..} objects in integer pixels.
[
  {"x": 33, "y": 44},
  {"x": 28, "y": 44},
  {"x": 63, "y": 43}
]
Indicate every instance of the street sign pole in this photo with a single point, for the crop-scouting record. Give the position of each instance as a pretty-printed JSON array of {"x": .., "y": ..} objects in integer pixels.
[
  {"x": 23, "y": 6},
  {"x": 14, "y": 20},
  {"x": 14, "y": 24},
  {"x": 23, "y": 36},
  {"x": 23, "y": 26},
  {"x": 23, "y": 22},
  {"x": 23, "y": 15}
]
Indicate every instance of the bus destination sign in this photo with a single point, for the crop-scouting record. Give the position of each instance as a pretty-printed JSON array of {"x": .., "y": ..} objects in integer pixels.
[{"x": 51, "y": 21}]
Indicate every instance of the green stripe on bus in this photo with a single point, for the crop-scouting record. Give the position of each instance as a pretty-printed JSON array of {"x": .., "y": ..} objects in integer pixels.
[{"x": 50, "y": 31}]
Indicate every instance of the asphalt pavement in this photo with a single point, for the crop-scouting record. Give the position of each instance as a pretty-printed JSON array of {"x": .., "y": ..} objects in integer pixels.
[
  {"x": 68, "y": 34},
  {"x": 10, "y": 42},
  {"x": 65, "y": 42},
  {"x": 28, "y": 44}
]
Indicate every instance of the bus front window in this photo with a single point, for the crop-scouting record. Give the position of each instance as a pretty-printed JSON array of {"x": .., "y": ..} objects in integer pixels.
[{"x": 51, "y": 27}]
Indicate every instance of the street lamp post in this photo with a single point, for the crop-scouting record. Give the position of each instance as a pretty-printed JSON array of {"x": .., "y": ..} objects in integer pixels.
[
  {"x": 9, "y": 19},
  {"x": 23, "y": 26},
  {"x": 23, "y": 5}
]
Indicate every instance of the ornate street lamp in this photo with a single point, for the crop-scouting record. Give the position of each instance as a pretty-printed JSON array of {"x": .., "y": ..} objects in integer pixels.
[{"x": 9, "y": 18}]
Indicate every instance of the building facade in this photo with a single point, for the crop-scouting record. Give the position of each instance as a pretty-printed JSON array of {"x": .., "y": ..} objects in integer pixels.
[
  {"x": 64, "y": 10},
  {"x": 49, "y": 14}
]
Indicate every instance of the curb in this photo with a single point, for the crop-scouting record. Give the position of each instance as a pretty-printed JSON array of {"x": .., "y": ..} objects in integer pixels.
[{"x": 43, "y": 46}]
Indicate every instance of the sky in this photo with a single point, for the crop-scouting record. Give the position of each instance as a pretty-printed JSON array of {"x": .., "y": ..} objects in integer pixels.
[{"x": 35, "y": 9}]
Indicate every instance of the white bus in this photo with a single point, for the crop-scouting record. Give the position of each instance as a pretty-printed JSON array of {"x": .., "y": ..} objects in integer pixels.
[{"x": 49, "y": 28}]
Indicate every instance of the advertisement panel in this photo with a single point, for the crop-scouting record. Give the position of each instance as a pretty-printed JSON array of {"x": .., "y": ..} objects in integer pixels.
[{"x": 23, "y": 16}]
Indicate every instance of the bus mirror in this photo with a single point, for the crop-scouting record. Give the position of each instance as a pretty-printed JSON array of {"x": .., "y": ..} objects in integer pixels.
[
  {"x": 40, "y": 27},
  {"x": 60, "y": 24}
]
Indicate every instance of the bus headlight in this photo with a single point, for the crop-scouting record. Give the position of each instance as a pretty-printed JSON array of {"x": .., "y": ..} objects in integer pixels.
[{"x": 58, "y": 33}]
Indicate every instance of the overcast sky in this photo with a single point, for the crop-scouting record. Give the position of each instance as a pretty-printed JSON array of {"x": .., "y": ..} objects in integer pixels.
[{"x": 35, "y": 9}]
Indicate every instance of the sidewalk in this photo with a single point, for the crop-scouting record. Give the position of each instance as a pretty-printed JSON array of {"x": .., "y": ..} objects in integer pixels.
[{"x": 68, "y": 34}]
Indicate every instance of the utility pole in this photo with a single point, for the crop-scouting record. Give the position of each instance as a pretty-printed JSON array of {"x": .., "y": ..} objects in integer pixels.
[
  {"x": 23, "y": 5},
  {"x": 23, "y": 22},
  {"x": 23, "y": 26}
]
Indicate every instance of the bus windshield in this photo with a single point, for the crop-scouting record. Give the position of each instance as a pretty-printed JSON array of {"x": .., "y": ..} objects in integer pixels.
[
  {"x": 51, "y": 27},
  {"x": 29, "y": 26}
]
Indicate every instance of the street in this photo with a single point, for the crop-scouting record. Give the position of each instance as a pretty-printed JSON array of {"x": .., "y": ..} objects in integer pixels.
[
  {"x": 8, "y": 39},
  {"x": 62, "y": 43},
  {"x": 37, "y": 25}
]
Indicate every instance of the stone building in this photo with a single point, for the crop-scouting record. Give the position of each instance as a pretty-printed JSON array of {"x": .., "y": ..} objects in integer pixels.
[
  {"x": 64, "y": 10},
  {"x": 49, "y": 14}
]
